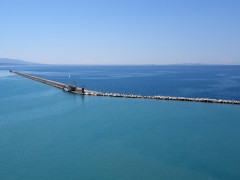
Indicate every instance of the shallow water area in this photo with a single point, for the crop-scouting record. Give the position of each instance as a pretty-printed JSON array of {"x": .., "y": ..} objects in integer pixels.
[{"x": 46, "y": 133}]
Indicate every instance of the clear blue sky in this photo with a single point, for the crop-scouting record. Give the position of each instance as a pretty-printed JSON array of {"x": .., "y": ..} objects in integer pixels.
[{"x": 121, "y": 31}]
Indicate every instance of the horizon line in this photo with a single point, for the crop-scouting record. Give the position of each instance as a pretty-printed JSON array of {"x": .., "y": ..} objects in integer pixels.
[{"x": 149, "y": 64}]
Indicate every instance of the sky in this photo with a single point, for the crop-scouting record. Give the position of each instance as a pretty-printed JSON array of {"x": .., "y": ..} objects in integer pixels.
[{"x": 121, "y": 31}]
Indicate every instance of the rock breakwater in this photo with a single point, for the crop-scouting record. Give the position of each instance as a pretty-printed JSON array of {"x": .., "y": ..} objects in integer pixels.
[
  {"x": 206, "y": 100},
  {"x": 95, "y": 93}
]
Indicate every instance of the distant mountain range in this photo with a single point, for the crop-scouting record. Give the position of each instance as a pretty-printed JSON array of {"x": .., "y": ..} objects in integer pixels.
[{"x": 8, "y": 61}]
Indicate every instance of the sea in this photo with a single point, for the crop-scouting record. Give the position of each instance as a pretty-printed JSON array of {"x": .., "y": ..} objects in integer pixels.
[{"x": 46, "y": 133}]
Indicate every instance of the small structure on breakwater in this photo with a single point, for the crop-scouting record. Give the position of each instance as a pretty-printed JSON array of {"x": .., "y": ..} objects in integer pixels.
[
  {"x": 69, "y": 88},
  {"x": 82, "y": 91}
]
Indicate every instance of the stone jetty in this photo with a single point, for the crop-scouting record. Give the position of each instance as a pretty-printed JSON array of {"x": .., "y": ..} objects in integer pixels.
[
  {"x": 205, "y": 100},
  {"x": 95, "y": 93}
]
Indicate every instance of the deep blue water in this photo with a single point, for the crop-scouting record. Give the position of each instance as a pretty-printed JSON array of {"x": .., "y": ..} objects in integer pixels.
[
  {"x": 46, "y": 133},
  {"x": 221, "y": 82}
]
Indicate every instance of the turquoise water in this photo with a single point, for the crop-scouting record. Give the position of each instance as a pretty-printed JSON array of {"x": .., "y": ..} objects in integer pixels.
[{"x": 48, "y": 134}]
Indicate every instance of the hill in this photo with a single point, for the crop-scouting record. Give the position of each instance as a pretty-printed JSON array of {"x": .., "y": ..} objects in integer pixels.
[{"x": 8, "y": 61}]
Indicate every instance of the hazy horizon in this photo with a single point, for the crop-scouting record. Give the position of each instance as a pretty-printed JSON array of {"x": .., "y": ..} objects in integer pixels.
[
  {"x": 37, "y": 63},
  {"x": 121, "y": 32}
]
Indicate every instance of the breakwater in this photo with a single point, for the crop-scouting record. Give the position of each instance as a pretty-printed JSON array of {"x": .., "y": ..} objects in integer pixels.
[
  {"x": 95, "y": 93},
  {"x": 48, "y": 82}
]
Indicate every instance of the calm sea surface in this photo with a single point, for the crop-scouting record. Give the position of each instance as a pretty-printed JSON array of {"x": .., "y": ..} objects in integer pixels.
[
  {"x": 46, "y": 133},
  {"x": 221, "y": 82}
]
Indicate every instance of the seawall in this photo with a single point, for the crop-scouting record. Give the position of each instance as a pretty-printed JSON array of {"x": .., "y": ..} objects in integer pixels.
[{"x": 95, "y": 93}]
